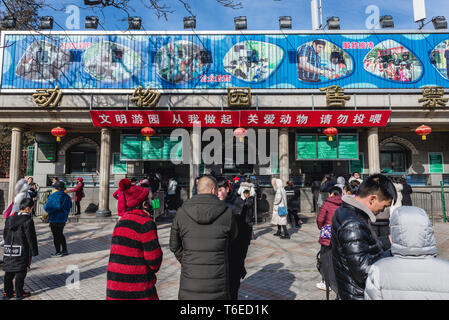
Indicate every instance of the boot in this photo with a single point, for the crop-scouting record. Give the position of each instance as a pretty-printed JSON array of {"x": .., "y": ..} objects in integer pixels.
[
  {"x": 285, "y": 236},
  {"x": 278, "y": 233}
]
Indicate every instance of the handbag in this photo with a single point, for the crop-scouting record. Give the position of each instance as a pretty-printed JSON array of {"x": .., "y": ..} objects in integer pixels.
[
  {"x": 326, "y": 232},
  {"x": 282, "y": 211},
  {"x": 155, "y": 204}
]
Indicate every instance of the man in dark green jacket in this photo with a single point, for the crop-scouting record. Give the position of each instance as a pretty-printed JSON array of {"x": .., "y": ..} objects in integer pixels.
[{"x": 200, "y": 238}]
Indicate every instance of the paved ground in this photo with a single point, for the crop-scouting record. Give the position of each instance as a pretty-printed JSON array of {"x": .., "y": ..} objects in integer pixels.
[{"x": 277, "y": 269}]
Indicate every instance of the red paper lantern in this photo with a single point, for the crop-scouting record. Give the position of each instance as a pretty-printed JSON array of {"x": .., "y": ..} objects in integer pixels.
[
  {"x": 58, "y": 132},
  {"x": 330, "y": 132},
  {"x": 423, "y": 131},
  {"x": 147, "y": 132},
  {"x": 240, "y": 132}
]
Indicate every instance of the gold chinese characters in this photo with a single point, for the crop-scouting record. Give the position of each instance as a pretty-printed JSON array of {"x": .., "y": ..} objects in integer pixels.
[
  {"x": 239, "y": 97},
  {"x": 433, "y": 97},
  {"x": 48, "y": 97},
  {"x": 147, "y": 98},
  {"x": 335, "y": 96}
]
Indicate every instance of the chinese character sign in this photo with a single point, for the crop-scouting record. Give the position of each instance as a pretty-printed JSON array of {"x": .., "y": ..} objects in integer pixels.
[
  {"x": 433, "y": 97},
  {"x": 234, "y": 119},
  {"x": 239, "y": 97},
  {"x": 48, "y": 97}
]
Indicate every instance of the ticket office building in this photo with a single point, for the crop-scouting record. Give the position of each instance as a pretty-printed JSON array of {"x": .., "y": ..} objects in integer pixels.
[{"x": 101, "y": 71}]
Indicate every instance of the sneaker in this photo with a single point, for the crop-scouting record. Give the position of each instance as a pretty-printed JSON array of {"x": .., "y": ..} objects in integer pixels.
[
  {"x": 55, "y": 255},
  {"x": 285, "y": 236},
  {"x": 321, "y": 285},
  {"x": 64, "y": 253},
  {"x": 277, "y": 234}
]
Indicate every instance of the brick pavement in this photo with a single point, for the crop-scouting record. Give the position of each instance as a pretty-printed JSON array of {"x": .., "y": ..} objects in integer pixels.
[{"x": 277, "y": 269}]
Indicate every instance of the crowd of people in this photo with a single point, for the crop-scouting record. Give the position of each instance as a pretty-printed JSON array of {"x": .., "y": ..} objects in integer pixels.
[
  {"x": 394, "y": 68},
  {"x": 374, "y": 243}
]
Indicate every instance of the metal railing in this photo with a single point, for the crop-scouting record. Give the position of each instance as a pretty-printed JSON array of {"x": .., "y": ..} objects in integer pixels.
[{"x": 430, "y": 201}]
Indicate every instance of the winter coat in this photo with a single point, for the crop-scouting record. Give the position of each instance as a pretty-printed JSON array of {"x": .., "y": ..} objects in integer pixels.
[
  {"x": 406, "y": 194},
  {"x": 340, "y": 183},
  {"x": 293, "y": 195},
  {"x": 200, "y": 238},
  {"x": 172, "y": 186},
  {"x": 243, "y": 212},
  {"x": 58, "y": 207},
  {"x": 280, "y": 199},
  {"x": 135, "y": 258},
  {"x": 20, "y": 242},
  {"x": 326, "y": 214},
  {"x": 355, "y": 247},
  {"x": 246, "y": 186},
  {"x": 79, "y": 191},
  {"x": 21, "y": 190},
  {"x": 354, "y": 178},
  {"x": 121, "y": 208},
  {"x": 413, "y": 272},
  {"x": 325, "y": 187}
]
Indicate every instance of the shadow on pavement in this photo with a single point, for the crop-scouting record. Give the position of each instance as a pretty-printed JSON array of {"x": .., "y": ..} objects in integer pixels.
[{"x": 278, "y": 287}]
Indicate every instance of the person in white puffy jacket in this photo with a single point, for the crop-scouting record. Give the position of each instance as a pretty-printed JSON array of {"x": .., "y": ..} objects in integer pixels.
[
  {"x": 247, "y": 185},
  {"x": 413, "y": 272}
]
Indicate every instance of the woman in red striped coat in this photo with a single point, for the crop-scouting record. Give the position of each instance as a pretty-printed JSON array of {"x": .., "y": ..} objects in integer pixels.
[{"x": 136, "y": 255}]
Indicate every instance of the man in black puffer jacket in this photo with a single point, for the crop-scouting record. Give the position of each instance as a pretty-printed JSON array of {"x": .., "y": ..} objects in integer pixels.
[
  {"x": 355, "y": 246},
  {"x": 200, "y": 238}
]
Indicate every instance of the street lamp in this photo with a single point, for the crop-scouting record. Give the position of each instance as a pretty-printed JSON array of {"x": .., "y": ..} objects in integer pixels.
[
  {"x": 333, "y": 23},
  {"x": 386, "y": 22},
  {"x": 285, "y": 22},
  {"x": 190, "y": 22},
  {"x": 439, "y": 22},
  {"x": 91, "y": 22},
  {"x": 134, "y": 23},
  {"x": 46, "y": 23},
  {"x": 240, "y": 23},
  {"x": 92, "y": 2}
]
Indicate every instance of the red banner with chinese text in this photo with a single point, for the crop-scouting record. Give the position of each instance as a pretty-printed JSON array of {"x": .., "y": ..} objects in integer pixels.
[{"x": 233, "y": 119}]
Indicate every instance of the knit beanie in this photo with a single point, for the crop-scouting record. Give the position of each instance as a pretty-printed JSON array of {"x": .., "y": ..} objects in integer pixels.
[{"x": 135, "y": 195}]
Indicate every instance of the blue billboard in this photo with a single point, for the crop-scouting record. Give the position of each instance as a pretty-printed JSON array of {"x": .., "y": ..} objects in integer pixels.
[{"x": 213, "y": 61}]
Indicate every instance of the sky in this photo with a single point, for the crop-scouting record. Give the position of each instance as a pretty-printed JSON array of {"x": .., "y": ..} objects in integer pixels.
[{"x": 261, "y": 14}]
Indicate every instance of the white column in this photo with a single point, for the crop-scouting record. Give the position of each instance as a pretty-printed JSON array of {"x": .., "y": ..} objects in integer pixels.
[
  {"x": 15, "y": 161},
  {"x": 195, "y": 159},
  {"x": 373, "y": 151},
  {"x": 105, "y": 164},
  {"x": 283, "y": 156}
]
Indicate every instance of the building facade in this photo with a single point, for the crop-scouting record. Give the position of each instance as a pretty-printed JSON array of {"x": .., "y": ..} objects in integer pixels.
[{"x": 102, "y": 88}]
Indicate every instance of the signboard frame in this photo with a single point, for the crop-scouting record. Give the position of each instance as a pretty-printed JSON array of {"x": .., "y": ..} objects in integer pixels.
[
  {"x": 316, "y": 142},
  {"x": 114, "y": 171},
  {"x": 39, "y": 152},
  {"x": 161, "y": 137},
  {"x": 430, "y": 164}
]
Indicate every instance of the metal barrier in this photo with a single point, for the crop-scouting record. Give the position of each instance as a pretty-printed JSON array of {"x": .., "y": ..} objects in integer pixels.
[{"x": 431, "y": 202}]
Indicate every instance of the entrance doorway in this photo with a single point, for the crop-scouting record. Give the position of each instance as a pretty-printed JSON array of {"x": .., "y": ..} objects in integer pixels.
[
  {"x": 81, "y": 158},
  {"x": 394, "y": 159}
]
